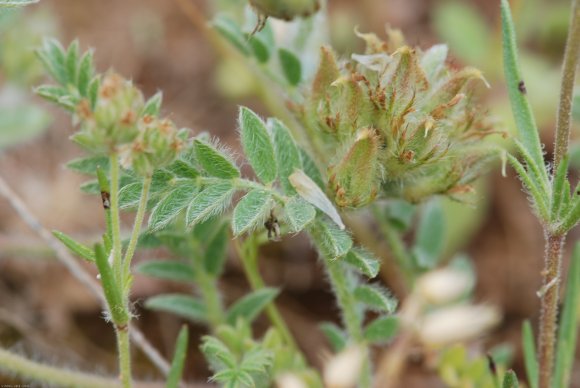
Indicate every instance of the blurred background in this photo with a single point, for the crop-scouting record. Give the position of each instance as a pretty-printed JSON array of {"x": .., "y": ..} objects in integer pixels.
[{"x": 46, "y": 313}]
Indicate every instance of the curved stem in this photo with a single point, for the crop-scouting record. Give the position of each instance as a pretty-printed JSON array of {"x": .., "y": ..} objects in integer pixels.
[
  {"x": 136, "y": 227},
  {"x": 351, "y": 316},
  {"x": 35, "y": 371},
  {"x": 115, "y": 220},
  {"x": 124, "y": 355},
  {"x": 549, "y": 309},
  {"x": 569, "y": 67},
  {"x": 248, "y": 252}
]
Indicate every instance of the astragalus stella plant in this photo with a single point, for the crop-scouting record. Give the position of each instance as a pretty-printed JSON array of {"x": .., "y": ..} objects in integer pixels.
[{"x": 394, "y": 123}]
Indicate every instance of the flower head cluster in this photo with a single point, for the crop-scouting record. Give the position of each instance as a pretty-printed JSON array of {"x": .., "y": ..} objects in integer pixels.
[
  {"x": 121, "y": 122},
  {"x": 396, "y": 122}
]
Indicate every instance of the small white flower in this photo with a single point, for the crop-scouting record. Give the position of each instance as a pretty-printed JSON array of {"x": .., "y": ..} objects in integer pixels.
[
  {"x": 289, "y": 380},
  {"x": 343, "y": 370},
  {"x": 456, "y": 324},
  {"x": 443, "y": 286}
]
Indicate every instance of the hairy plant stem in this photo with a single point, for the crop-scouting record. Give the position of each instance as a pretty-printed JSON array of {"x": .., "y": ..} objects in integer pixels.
[
  {"x": 569, "y": 67},
  {"x": 136, "y": 227},
  {"x": 555, "y": 241},
  {"x": 549, "y": 308},
  {"x": 35, "y": 371},
  {"x": 398, "y": 249},
  {"x": 248, "y": 252},
  {"x": 351, "y": 318},
  {"x": 115, "y": 219},
  {"x": 124, "y": 355},
  {"x": 211, "y": 298}
]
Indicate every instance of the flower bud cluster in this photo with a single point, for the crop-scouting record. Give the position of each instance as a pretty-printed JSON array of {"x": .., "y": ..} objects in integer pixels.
[
  {"x": 396, "y": 122},
  {"x": 119, "y": 123}
]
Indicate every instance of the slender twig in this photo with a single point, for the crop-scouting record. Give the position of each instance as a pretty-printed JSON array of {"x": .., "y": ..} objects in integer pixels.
[
  {"x": 248, "y": 252},
  {"x": 76, "y": 270},
  {"x": 35, "y": 371},
  {"x": 569, "y": 67},
  {"x": 555, "y": 240},
  {"x": 115, "y": 219},
  {"x": 136, "y": 227}
]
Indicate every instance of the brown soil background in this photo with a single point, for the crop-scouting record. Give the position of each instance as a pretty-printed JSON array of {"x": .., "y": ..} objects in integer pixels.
[{"x": 46, "y": 313}]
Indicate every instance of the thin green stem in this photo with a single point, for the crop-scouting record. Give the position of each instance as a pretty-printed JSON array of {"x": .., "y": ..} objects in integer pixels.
[
  {"x": 569, "y": 67},
  {"x": 115, "y": 220},
  {"x": 248, "y": 251},
  {"x": 35, "y": 371},
  {"x": 398, "y": 249},
  {"x": 211, "y": 298},
  {"x": 136, "y": 227},
  {"x": 351, "y": 317},
  {"x": 124, "y": 355}
]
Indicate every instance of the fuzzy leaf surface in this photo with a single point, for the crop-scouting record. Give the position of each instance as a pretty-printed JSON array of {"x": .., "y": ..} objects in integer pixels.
[
  {"x": 257, "y": 145},
  {"x": 251, "y": 211}
]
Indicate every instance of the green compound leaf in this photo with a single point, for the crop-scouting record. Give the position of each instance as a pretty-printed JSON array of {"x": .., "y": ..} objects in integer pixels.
[
  {"x": 182, "y": 169},
  {"x": 363, "y": 261},
  {"x": 71, "y": 61},
  {"x": 52, "y": 55},
  {"x": 85, "y": 73},
  {"x": 129, "y": 195},
  {"x": 291, "y": 66},
  {"x": 430, "y": 239},
  {"x": 179, "y": 356},
  {"x": 332, "y": 241},
  {"x": 217, "y": 353},
  {"x": 166, "y": 269},
  {"x": 287, "y": 153},
  {"x": 171, "y": 205},
  {"x": 251, "y": 305},
  {"x": 382, "y": 330},
  {"x": 232, "y": 33},
  {"x": 530, "y": 358},
  {"x": 525, "y": 122},
  {"x": 210, "y": 202},
  {"x": 260, "y": 48},
  {"x": 251, "y": 211},
  {"x": 216, "y": 251},
  {"x": 88, "y": 166},
  {"x": 568, "y": 330},
  {"x": 76, "y": 247},
  {"x": 335, "y": 336},
  {"x": 182, "y": 305},
  {"x": 376, "y": 298},
  {"x": 299, "y": 213},
  {"x": 257, "y": 145},
  {"x": 510, "y": 380},
  {"x": 214, "y": 161}
]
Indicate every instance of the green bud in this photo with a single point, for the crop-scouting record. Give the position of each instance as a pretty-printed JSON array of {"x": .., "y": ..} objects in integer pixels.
[
  {"x": 422, "y": 133},
  {"x": 157, "y": 144},
  {"x": 286, "y": 9},
  {"x": 114, "y": 120},
  {"x": 354, "y": 180}
]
